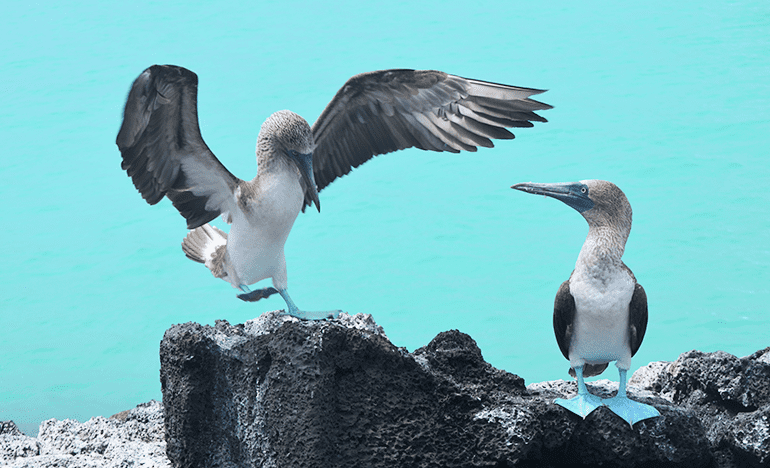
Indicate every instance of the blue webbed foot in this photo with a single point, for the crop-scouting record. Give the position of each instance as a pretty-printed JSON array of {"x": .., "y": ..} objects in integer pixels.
[
  {"x": 584, "y": 403},
  {"x": 294, "y": 311},
  {"x": 257, "y": 294},
  {"x": 631, "y": 411},
  {"x": 313, "y": 315}
]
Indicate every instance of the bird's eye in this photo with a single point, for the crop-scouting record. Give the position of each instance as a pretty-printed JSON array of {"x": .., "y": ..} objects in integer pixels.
[{"x": 583, "y": 190}]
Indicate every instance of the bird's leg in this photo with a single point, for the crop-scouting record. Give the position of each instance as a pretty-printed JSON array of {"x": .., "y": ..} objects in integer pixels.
[
  {"x": 631, "y": 411},
  {"x": 584, "y": 402},
  {"x": 257, "y": 294},
  {"x": 294, "y": 311}
]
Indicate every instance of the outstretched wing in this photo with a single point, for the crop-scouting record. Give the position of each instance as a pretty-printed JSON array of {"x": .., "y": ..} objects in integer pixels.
[
  {"x": 388, "y": 110},
  {"x": 163, "y": 150}
]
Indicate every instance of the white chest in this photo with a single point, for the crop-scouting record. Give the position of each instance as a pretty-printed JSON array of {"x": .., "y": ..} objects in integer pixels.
[
  {"x": 600, "y": 327},
  {"x": 277, "y": 204},
  {"x": 261, "y": 227}
]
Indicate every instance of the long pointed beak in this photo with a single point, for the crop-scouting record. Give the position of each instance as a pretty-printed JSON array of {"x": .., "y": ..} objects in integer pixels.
[
  {"x": 574, "y": 194},
  {"x": 549, "y": 190},
  {"x": 305, "y": 163}
]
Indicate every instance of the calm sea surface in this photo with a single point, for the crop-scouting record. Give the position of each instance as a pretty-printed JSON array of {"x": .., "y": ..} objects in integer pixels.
[{"x": 669, "y": 100}]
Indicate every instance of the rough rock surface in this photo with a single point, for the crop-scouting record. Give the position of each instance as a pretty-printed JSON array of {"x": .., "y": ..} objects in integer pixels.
[
  {"x": 277, "y": 392},
  {"x": 730, "y": 396},
  {"x": 133, "y": 438}
]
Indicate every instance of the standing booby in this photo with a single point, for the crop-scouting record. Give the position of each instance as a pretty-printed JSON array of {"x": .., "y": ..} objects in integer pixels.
[
  {"x": 374, "y": 113},
  {"x": 600, "y": 312}
]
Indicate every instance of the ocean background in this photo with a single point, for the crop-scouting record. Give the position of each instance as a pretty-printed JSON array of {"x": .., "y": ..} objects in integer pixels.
[{"x": 669, "y": 100}]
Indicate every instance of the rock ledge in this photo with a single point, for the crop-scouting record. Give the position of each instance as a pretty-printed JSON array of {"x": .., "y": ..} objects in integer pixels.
[{"x": 279, "y": 392}]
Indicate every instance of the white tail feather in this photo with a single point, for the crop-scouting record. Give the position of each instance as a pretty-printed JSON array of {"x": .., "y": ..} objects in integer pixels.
[{"x": 202, "y": 245}]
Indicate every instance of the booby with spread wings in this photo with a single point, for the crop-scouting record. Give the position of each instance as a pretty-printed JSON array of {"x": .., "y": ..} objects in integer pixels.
[
  {"x": 374, "y": 113},
  {"x": 600, "y": 312}
]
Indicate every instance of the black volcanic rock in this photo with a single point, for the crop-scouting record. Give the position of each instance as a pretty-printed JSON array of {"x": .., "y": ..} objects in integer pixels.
[
  {"x": 730, "y": 395},
  {"x": 278, "y": 392}
]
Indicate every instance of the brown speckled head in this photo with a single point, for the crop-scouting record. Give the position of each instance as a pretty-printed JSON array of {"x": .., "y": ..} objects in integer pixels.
[
  {"x": 286, "y": 142},
  {"x": 602, "y": 204},
  {"x": 284, "y": 131},
  {"x": 611, "y": 207}
]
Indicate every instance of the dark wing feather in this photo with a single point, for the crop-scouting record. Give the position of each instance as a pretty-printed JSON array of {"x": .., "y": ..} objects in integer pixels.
[
  {"x": 163, "y": 150},
  {"x": 563, "y": 317},
  {"x": 388, "y": 110},
  {"x": 637, "y": 323}
]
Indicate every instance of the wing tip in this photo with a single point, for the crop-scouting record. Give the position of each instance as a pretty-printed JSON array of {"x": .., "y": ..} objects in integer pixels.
[{"x": 543, "y": 106}]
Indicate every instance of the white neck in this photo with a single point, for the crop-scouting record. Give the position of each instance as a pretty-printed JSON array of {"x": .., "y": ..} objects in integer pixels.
[{"x": 602, "y": 250}]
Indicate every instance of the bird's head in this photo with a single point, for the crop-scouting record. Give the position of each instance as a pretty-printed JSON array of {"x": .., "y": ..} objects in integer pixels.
[
  {"x": 287, "y": 135},
  {"x": 600, "y": 202}
]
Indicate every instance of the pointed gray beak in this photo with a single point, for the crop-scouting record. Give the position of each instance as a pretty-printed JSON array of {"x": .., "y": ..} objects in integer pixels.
[
  {"x": 573, "y": 194},
  {"x": 305, "y": 164}
]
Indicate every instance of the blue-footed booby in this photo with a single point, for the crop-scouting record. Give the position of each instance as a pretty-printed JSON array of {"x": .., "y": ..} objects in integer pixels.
[
  {"x": 373, "y": 113},
  {"x": 600, "y": 312}
]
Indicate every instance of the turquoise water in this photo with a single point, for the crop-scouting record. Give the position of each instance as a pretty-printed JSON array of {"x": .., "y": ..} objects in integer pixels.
[{"x": 669, "y": 100}]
